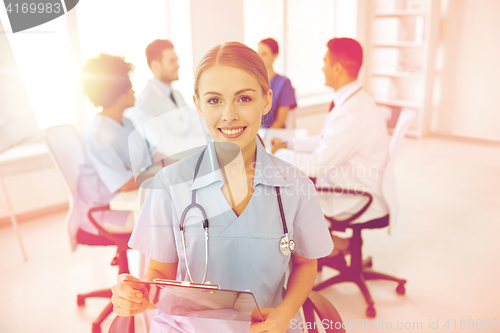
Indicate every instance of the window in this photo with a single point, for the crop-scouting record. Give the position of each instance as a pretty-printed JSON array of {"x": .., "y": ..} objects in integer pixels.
[
  {"x": 302, "y": 29},
  {"x": 42, "y": 56},
  {"x": 125, "y": 27},
  {"x": 134, "y": 25},
  {"x": 264, "y": 19},
  {"x": 120, "y": 27}
]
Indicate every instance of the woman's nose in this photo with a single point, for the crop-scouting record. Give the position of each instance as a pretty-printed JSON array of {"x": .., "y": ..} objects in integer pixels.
[{"x": 230, "y": 113}]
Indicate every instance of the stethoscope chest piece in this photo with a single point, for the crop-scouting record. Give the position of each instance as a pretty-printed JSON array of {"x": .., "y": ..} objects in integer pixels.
[{"x": 287, "y": 246}]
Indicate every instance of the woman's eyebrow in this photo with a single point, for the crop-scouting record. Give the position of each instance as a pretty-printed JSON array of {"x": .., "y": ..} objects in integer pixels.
[
  {"x": 212, "y": 93},
  {"x": 236, "y": 93},
  {"x": 243, "y": 90}
]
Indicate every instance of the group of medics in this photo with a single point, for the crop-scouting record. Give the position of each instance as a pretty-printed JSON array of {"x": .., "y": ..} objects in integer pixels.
[{"x": 262, "y": 208}]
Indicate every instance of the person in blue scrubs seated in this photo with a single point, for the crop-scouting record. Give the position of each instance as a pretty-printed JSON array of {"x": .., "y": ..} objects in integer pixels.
[
  {"x": 240, "y": 186},
  {"x": 283, "y": 92},
  {"x": 107, "y": 168}
]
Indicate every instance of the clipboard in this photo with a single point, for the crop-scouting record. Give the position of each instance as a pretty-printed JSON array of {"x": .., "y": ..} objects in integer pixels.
[{"x": 202, "y": 300}]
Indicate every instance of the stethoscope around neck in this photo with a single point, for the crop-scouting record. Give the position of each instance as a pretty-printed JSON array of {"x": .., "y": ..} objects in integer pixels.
[{"x": 287, "y": 245}]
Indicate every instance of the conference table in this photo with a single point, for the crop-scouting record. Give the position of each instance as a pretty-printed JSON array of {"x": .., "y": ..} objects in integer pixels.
[
  {"x": 129, "y": 201},
  {"x": 269, "y": 133}
]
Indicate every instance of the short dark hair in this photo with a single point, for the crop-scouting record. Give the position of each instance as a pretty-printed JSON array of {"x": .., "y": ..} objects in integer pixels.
[
  {"x": 348, "y": 52},
  {"x": 273, "y": 45},
  {"x": 155, "y": 49},
  {"x": 105, "y": 78}
]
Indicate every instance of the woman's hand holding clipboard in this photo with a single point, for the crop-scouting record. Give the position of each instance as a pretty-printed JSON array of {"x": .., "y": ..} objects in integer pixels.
[
  {"x": 191, "y": 300},
  {"x": 130, "y": 296}
]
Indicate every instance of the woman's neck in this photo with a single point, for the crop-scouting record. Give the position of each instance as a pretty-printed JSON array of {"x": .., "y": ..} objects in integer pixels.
[
  {"x": 242, "y": 163},
  {"x": 271, "y": 73},
  {"x": 114, "y": 113}
]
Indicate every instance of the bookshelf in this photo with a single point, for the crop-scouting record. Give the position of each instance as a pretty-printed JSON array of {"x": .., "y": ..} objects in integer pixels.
[{"x": 402, "y": 42}]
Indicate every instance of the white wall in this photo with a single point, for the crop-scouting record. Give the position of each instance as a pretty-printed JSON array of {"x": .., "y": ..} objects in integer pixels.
[
  {"x": 467, "y": 93},
  {"x": 32, "y": 182},
  {"x": 215, "y": 22}
]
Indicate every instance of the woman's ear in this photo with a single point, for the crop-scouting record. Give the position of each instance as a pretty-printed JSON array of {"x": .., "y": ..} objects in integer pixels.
[
  {"x": 268, "y": 98},
  {"x": 197, "y": 105}
]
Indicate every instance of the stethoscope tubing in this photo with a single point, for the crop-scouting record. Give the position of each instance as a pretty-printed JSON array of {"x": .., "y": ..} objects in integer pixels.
[{"x": 286, "y": 245}]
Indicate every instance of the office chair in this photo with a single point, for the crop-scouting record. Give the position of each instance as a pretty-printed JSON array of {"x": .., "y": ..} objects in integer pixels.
[
  {"x": 360, "y": 271},
  {"x": 67, "y": 154},
  {"x": 316, "y": 304}
]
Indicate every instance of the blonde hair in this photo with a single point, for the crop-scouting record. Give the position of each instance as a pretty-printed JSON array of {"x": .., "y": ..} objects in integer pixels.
[{"x": 237, "y": 55}]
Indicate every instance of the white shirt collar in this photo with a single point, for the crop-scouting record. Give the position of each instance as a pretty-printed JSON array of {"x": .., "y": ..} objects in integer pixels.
[
  {"x": 345, "y": 92},
  {"x": 163, "y": 87},
  {"x": 266, "y": 172}
]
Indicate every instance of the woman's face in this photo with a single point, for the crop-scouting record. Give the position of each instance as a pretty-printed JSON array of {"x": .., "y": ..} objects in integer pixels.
[
  {"x": 232, "y": 104},
  {"x": 127, "y": 100},
  {"x": 266, "y": 54}
]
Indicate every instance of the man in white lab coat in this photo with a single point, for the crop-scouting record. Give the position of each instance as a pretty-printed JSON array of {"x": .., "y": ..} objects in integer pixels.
[
  {"x": 352, "y": 149},
  {"x": 174, "y": 123}
]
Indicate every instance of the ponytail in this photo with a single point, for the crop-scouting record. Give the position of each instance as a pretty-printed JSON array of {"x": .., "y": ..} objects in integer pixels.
[{"x": 261, "y": 141}]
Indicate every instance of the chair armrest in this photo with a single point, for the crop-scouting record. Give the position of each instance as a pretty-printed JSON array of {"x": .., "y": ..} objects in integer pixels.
[
  {"x": 319, "y": 304},
  {"x": 348, "y": 192},
  {"x": 119, "y": 241},
  {"x": 122, "y": 325}
]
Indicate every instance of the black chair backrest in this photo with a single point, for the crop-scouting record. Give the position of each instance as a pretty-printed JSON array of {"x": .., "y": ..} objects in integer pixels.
[
  {"x": 122, "y": 325},
  {"x": 319, "y": 305}
]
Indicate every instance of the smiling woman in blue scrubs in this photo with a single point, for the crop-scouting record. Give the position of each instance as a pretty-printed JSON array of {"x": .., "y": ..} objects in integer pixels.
[
  {"x": 240, "y": 186},
  {"x": 283, "y": 92}
]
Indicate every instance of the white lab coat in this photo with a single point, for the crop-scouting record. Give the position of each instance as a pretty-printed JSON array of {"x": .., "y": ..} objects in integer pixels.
[
  {"x": 152, "y": 101},
  {"x": 350, "y": 152},
  {"x": 170, "y": 128}
]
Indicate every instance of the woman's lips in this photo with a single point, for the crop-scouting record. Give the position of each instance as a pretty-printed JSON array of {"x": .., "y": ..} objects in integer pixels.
[{"x": 232, "y": 132}]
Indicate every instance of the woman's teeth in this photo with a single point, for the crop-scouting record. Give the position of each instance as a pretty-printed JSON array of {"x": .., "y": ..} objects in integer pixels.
[{"x": 231, "y": 132}]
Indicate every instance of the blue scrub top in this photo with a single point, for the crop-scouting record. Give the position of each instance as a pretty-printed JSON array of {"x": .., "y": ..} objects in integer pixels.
[
  {"x": 107, "y": 166},
  {"x": 243, "y": 251},
  {"x": 283, "y": 95}
]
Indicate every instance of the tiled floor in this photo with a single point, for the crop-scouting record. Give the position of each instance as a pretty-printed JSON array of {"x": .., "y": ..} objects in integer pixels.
[{"x": 445, "y": 245}]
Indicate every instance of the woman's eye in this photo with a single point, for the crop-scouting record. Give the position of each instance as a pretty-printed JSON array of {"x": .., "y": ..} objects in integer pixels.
[
  {"x": 213, "y": 101},
  {"x": 245, "y": 99}
]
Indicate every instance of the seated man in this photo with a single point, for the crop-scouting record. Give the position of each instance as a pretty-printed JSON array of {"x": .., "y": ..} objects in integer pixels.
[
  {"x": 107, "y": 166},
  {"x": 352, "y": 149},
  {"x": 176, "y": 127}
]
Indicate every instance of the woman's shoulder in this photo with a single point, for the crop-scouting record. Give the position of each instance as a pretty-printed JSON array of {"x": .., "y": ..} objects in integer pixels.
[
  {"x": 280, "y": 79},
  {"x": 94, "y": 125},
  {"x": 281, "y": 84},
  {"x": 98, "y": 131}
]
